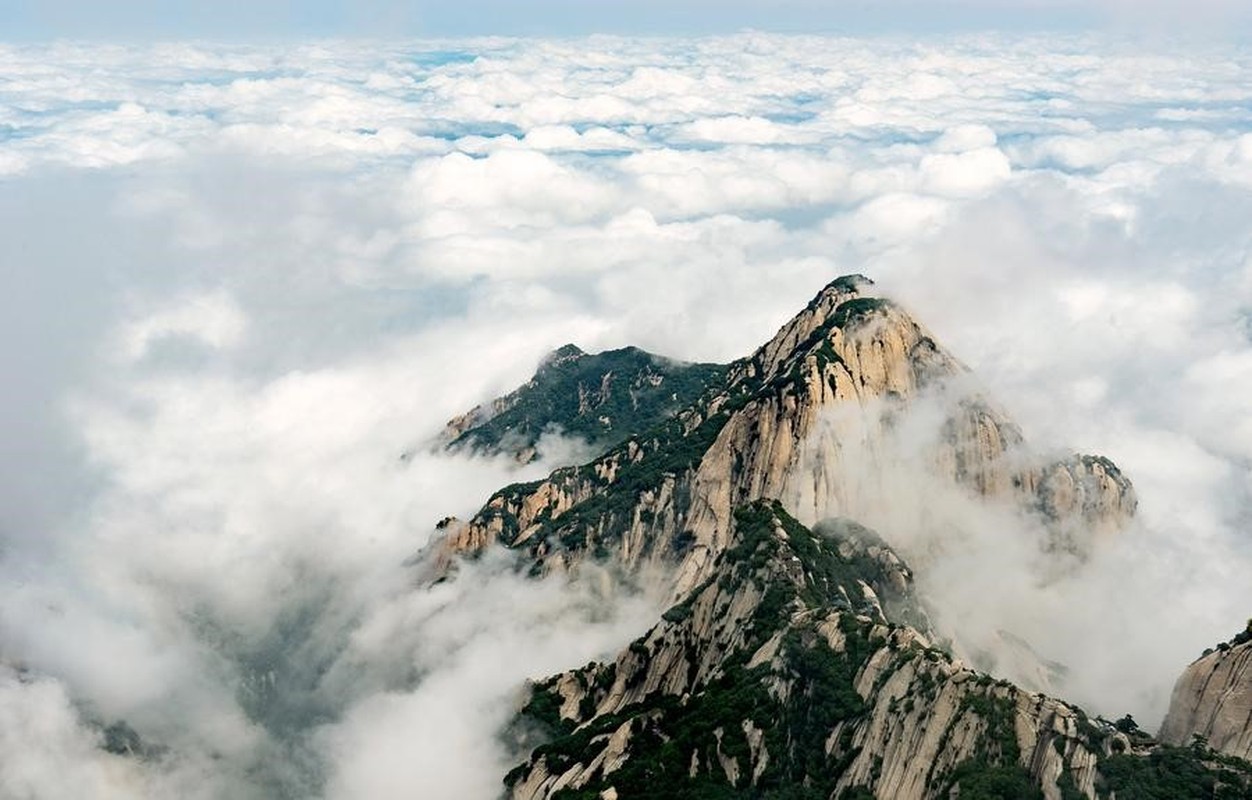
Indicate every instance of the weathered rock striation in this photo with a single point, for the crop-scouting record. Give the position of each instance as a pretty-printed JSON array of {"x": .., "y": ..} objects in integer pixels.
[
  {"x": 785, "y": 675},
  {"x": 1213, "y": 699},
  {"x": 804, "y": 419},
  {"x": 796, "y": 662},
  {"x": 805, "y": 668}
]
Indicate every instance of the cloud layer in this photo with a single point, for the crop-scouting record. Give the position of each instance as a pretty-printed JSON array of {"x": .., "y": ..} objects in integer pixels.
[{"x": 251, "y": 283}]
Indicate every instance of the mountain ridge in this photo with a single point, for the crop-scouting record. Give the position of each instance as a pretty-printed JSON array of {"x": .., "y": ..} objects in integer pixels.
[
  {"x": 599, "y": 398},
  {"x": 747, "y": 435},
  {"x": 774, "y": 614},
  {"x": 791, "y": 674}
]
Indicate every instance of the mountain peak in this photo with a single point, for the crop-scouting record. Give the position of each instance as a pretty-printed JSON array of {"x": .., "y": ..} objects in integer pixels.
[
  {"x": 1213, "y": 699},
  {"x": 807, "y": 419},
  {"x": 600, "y": 398},
  {"x": 839, "y": 303},
  {"x": 566, "y": 352},
  {"x": 796, "y": 659},
  {"x": 847, "y": 284}
]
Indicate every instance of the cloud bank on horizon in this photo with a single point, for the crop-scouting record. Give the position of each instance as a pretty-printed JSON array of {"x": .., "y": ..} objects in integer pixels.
[{"x": 246, "y": 280}]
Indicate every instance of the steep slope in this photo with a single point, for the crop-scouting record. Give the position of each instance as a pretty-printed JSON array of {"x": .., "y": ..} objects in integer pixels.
[
  {"x": 1213, "y": 699},
  {"x": 601, "y": 398},
  {"x": 804, "y": 419},
  {"x": 796, "y": 661},
  {"x": 804, "y": 669},
  {"x": 788, "y": 675}
]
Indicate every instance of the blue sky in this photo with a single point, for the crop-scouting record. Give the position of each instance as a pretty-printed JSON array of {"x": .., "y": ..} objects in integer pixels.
[{"x": 252, "y": 19}]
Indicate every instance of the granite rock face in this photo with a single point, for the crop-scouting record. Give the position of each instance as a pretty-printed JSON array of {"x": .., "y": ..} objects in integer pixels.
[
  {"x": 1213, "y": 699},
  {"x": 804, "y": 419},
  {"x": 787, "y": 669},
  {"x": 796, "y": 660}
]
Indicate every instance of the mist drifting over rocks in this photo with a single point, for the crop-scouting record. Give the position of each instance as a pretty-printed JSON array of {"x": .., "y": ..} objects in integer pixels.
[{"x": 248, "y": 286}]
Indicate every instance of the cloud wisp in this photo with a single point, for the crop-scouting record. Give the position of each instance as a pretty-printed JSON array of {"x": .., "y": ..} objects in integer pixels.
[{"x": 250, "y": 284}]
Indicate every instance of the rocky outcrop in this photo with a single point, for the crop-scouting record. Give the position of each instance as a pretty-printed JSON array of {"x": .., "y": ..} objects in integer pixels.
[
  {"x": 810, "y": 419},
  {"x": 787, "y": 670},
  {"x": 459, "y": 427},
  {"x": 1213, "y": 699}
]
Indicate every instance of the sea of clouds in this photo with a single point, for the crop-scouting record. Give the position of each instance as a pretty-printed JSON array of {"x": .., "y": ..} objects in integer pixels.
[{"x": 246, "y": 285}]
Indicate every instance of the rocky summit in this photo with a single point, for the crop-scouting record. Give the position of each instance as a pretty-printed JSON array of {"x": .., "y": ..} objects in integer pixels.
[
  {"x": 803, "y": 419},
  {"x": 797, "y": 659}
]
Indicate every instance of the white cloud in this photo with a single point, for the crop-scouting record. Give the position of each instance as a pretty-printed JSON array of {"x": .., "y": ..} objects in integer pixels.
[
  {"x": 213, "y": 319},
  {"x": 738, "y": 130},
  {"x": 473, "y": 642},
  {"x": 964, "y": 174},
  {"x": 516, "y": 187},
  {"x": 312, "y": 255},
  {"x": 963, "y": 138},
  {"x": 45, "y": 752},
  {"x": 565, "y": 137}
]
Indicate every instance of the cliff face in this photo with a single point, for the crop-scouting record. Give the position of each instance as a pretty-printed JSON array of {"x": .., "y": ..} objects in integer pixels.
[
  {"x": 804, "y": 420},
  {"x": 1213, "y": 699},
  {"x": 796, "y": 661},
  {"x": 791, "y": 670}
]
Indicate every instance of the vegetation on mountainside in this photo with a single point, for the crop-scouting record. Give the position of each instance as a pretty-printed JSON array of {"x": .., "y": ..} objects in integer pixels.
[
  {"x": 996, "y": 772},
  {"x": 856, "y": 309},
  {"x": 667, "y": 450},
  {"x": 647, "y": 458},
  {"x": 1175, "y": 773},
  {"x": 681, "y": 746},
  {"x": 1242, "y": 637},
  {"x": 602, "y": 398},
  {"x": 669, "y": 733}
]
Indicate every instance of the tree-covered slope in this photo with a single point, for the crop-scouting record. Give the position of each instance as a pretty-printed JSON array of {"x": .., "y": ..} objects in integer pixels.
[
  {"x": 782, "y": 677},
  {"x": 602, "y": 398}
]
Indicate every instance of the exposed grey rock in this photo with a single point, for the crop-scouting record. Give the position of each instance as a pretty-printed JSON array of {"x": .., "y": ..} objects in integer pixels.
[
  {"x": 1213, "y": 699},
  {"x": 803, "y": 420}
]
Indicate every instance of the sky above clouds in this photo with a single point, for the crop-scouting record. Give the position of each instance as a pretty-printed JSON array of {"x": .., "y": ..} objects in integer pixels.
[
  {"x": 267, "y": 19},
  {"x": 247, "y": 284}
]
